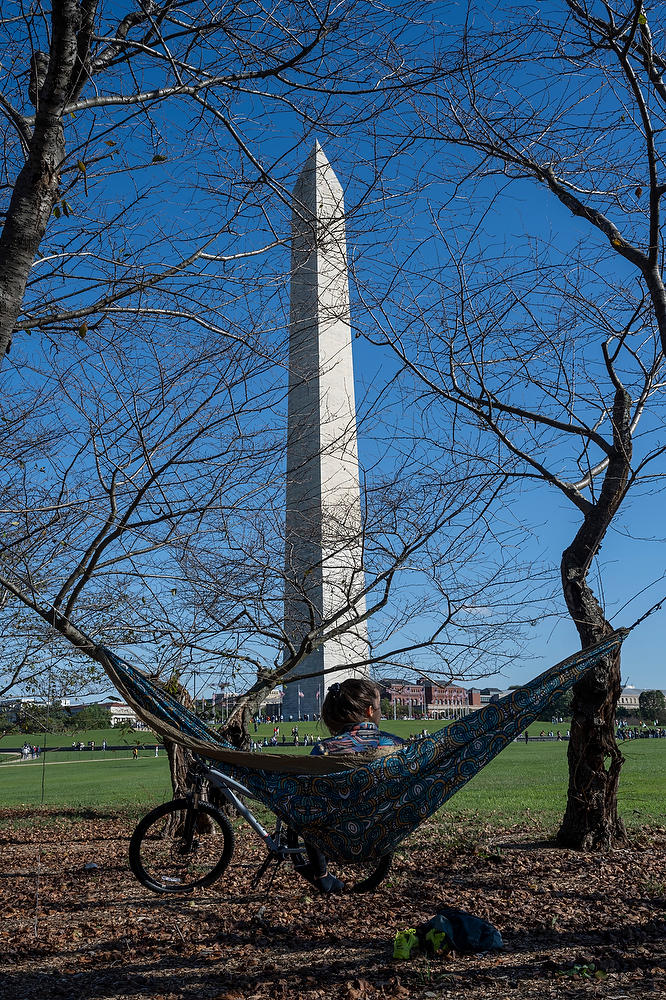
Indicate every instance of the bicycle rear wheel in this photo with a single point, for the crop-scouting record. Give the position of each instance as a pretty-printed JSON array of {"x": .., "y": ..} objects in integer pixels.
[
  {"x": 361, "y": 876},
  {"x": 178, "y": 847}
]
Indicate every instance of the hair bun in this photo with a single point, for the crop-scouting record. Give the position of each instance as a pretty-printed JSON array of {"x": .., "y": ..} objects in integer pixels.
[{"x": 334, "y": 688}]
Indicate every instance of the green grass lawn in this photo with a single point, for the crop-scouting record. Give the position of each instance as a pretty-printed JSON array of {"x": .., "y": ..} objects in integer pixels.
[
  {"x": 128, "y": 737},
  {"x": 111, "y": 780},
  {"x": 523, "y": 783},
  {"x": 531, "y": 782},
  {"x": 121, "y": 734}
]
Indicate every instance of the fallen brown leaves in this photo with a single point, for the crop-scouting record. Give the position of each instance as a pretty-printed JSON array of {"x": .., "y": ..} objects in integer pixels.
[{"x": 575, "y": 925}]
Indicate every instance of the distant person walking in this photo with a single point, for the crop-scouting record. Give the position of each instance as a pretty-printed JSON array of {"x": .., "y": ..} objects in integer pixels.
[{"x": 135, "y": 753}]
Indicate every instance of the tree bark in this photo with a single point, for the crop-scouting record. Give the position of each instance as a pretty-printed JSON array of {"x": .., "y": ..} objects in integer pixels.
[
  {"x": 591, "y": 819},
  {"x": 237, "y": 732},
  {"x": 237, "y": 729},
  {"x": 180, "y": 758},
  {"x": 179, "y": 762},
  {"x": 37, "y": 185}
]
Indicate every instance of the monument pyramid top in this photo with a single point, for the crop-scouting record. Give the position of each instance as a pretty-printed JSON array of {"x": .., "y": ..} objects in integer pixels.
[{"x": 317, "y": 178}]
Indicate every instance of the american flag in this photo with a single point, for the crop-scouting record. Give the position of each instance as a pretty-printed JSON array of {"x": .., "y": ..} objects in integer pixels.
[{"x": 300, "y": 694}]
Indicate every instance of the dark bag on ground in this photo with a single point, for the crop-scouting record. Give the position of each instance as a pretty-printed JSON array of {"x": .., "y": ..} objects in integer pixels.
[{"x": 465, "y": 932}]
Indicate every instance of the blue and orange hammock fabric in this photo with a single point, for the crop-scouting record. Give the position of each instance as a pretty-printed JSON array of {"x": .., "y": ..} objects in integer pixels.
[{"x": 361, "y": 806}]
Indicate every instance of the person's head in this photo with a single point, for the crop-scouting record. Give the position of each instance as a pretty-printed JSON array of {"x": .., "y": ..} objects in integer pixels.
[{"x": 355, "y": 700}]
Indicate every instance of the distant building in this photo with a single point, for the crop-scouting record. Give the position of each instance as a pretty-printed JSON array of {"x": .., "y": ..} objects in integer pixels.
[
  {"x": 630, "y": 699},
  {"x": 425, "y": 698},
  {"x": 224, "y": 703},
  {"x": 123, "y": 715},
  {"x": 448, "y": 701},
  {"x": 497, "y": 694},
  {"x": 410, "y": 697},
  {"x": 474, "y": 699},
  {"x": 489, "y": 694},
  {"x": 272, "y": 704}
]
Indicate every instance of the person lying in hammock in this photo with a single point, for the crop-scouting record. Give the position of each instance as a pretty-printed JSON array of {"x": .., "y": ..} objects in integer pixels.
[{"x": 351, "y": 713}]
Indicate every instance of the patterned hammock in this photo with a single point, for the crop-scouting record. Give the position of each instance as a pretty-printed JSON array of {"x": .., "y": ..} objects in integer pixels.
[{"x": 361, "y": 806}]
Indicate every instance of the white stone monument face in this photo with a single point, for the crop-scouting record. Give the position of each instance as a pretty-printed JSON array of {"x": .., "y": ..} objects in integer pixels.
[{"x": 324, "y": 553}]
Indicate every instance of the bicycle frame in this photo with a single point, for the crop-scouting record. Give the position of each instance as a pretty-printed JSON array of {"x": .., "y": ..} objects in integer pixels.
[
  {"x": 231, "y": 789},
  {"x": 175, "y": 849}
]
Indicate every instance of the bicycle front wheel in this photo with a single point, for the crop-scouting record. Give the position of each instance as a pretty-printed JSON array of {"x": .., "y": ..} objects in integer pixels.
[{"x": 179, "y": 847}]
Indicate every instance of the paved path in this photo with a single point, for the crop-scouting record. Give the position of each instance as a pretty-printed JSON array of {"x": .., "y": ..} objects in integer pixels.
[{"x": 52, "y": 763}]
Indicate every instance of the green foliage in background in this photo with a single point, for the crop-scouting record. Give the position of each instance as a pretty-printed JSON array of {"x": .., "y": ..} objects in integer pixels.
[{"x": 653, "y": 706}]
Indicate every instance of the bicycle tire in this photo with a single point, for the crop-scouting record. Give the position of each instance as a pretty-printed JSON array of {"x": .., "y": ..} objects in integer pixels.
[
  {"x": 185, "y": 859},
  {"x": 363, "y": 876}
]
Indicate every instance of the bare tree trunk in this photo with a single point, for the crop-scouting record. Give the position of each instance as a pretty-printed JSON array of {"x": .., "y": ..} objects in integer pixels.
[
  {"x": 591, "y": 819},
  {"x": 235, "y": 732},
  {"x": 36, "y": 188},
  {"x": 179, "y": 762},
  {"x": 237, "y": 729},
  {"x": 178, "y": 756}
]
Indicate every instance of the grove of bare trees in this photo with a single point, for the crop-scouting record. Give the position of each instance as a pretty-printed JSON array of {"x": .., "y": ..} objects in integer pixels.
[
  {"x": 505, "y": 185},
  {"x": 149, "y": 156}
]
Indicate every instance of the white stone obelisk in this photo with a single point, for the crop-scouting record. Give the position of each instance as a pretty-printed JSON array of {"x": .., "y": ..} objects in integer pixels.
[{"x": 323, "y": 557}]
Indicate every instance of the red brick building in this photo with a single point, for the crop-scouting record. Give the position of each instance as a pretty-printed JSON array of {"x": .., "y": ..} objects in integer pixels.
[
  {"x": 410, "y": 696},
  {"x": 448, "y": 701},
  {"x": 434, "y": 701}
]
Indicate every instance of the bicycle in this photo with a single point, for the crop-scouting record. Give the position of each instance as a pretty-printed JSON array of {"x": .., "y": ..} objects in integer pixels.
[{"x": 187, "y": 843}]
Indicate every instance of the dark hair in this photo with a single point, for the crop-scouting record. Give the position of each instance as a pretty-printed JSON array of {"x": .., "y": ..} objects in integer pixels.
[{"x": 345, "y": 704}]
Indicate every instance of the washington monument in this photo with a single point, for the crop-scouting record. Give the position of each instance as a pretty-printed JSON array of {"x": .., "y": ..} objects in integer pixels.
[{"x": 323, "y": 555}]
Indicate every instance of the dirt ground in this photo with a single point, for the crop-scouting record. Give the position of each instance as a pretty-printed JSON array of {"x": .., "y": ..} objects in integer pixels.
[{"x": 574, "y": 925}]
